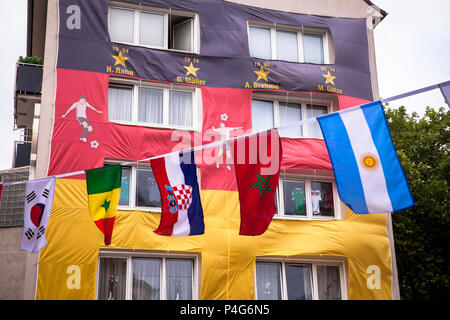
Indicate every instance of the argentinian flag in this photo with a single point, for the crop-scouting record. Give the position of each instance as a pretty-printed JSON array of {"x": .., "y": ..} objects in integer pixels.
[{"x": 368, "y": 173}]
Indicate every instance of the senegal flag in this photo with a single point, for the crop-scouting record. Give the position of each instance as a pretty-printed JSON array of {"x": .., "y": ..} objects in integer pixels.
[{"x": 103, "y": 188}]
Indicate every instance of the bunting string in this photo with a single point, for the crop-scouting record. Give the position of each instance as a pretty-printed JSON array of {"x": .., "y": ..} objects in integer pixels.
[{"x": 221, "y": 142}]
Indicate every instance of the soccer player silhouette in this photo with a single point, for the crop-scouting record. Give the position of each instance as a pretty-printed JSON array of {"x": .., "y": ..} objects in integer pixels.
[{"x": 81, "y": 105}]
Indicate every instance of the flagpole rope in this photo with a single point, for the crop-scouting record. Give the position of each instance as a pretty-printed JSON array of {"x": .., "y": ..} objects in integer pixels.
[{"x": 218, "y": 143}]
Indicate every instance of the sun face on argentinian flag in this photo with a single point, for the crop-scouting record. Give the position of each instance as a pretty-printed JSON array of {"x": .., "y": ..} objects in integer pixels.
[{"x": 368, "y": 173}]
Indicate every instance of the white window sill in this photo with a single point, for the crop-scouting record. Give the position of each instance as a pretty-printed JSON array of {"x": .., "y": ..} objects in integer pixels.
[
  {"x": 305, "y": 218},
  {"x": 152, "y": 47},
  {"x": 152, "y": 125},
  {"x": 144, "y": 209}
]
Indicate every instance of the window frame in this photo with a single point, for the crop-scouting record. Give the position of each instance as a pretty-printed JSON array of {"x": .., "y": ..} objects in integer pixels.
[
  {"x": 277, "y": 100},
  {"x": 313, "y": 263},
  {"x": 135, "y": 85},
  {"x": 280, "y": 214},
  {"x": 128, "y": 255},
  {"x": 133, "y": 186},
  {"x": 137, "y": 9},
  {"x": 300, "y": 30}
]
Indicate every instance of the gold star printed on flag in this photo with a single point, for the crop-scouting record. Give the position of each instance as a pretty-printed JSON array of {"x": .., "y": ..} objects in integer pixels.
[
  {"x": 191, "y": 70},
  {"x": 262, "y": 74},
  {"x": 329, "y": 78},
  {"x": 262, "y": 184},
  {"x": 120, "y": 59}
]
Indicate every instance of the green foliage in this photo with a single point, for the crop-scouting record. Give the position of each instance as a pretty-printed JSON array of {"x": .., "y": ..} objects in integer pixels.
[
  {"x": 421, "y": 233},
  {"x": 32, "y": 60}
]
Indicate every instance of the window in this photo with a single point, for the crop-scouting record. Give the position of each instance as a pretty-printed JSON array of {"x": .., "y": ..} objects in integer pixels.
[
  {"x": 267, "y": 114},
  {"x": 307, "y": 198},
  {"x": 152, "y": 27},
  {"x": 288, "y": 43},
  {"x": 140, "y": 276},
  {"x": 139, "y": 188},
  {"x": 298, "y": 280},
  {"x": 158, "y": 106}
]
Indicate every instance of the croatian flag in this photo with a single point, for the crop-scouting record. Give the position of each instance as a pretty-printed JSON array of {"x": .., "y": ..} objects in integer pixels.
[
  {"x": 181, "y": 208},
  {"x": 368, "y": 173}
]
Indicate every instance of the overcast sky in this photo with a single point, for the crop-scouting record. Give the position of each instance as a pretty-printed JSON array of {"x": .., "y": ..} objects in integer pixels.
[{"x": 412, "y": 50}]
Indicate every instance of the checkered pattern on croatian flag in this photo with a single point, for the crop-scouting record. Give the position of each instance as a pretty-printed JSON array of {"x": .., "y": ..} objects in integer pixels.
[{"x": 183, "y": 195}]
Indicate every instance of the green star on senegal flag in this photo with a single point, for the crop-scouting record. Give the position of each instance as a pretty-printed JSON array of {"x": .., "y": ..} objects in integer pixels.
[{"x": 103, "y": 188}]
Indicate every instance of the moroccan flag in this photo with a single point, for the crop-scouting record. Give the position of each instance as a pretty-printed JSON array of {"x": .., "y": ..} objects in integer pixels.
[
  {"x": 257, "y": 161},
  {"x": 103, "y": 188}
]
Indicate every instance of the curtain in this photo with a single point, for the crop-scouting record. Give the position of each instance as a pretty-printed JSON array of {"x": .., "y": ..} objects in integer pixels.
[
  {"x": 312, "y": 111},
  {"x": 112, "y": 279},
  {"x": 119, "y": 103},
  {"x": 124, "y": 199},
  {"x": 146, "y": 279},
  {"x": 313, "y": 48},
  {"x": 329, "y": 284},
  {"x": 262, "y": 115},
  {"x": 151, "y": 29},
  {"x": 260, "y": 43},
  {"x": 268, "y": 283},
  {"x": 298, "y": 282},
  {"x": 287, "y": 46},
  {"x": 290, "y": 112},
  {"x": 294, "y": 197},
  {"x": 179, "y": 279},
  {"x": 121, "y": 25},
  {"x": 147, "y": 192},
  {"x": 180, "y": 108},
  {"x": 150, "y": 105}
]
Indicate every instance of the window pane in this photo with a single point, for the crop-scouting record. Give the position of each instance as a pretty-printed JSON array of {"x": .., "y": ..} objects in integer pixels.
[
  {"x": 329, "y": 283},
  {"x": 125, "y": 187},
  {"x": 179, "y": 279},
  {"x": 150, "y": 105},
  {"x": 119, "y": 103},
  {"x": 312, "y": 111},
  {"x": 268, "y": 284},
  {"x": 121, "y": 25},
  {"x": 260, "y": 43},
  {"x": 182, "y": 38},
  {"x": 287, "y": 46},
  {"x": 322, "y": 198},
  {"x": 112, "y": 279},
  {"x": 146, "y": 279},
  {"x": 294, "y": 197},
  {"x": 151, "y": 30},
  {"x": 147, "y": 192},
  {"x": 298, "y": 282},
  {"x": 262, "y": 115},
  {"x": 313, "y": 48},
  {"x": 180, "y": 108},
  {"x": 290, "y": 112}
]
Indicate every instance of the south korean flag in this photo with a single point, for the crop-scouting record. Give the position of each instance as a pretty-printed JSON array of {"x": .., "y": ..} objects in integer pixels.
[{"x": 38, "y": 204}]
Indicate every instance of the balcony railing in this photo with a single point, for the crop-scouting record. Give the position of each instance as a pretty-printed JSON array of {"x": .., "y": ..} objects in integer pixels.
[{"x": 29, "y": 78}]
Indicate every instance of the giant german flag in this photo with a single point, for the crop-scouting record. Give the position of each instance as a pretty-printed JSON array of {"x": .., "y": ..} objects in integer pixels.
[{"x": 103, "y": 188}]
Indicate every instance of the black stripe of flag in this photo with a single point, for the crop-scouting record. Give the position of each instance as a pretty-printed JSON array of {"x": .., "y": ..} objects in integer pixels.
[{"x": 31, "y": 196}]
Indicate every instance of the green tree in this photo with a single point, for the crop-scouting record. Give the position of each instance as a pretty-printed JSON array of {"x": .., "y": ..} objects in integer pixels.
[{"x": 421, "y": 233}]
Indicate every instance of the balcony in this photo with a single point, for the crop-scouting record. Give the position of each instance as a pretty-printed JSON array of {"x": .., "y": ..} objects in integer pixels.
[
  {"x": 27, "y": 93},
  {"x": 29, "y": 78}
]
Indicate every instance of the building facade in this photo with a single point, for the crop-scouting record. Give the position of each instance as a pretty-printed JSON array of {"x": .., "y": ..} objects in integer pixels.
[{"x": 129, "y": 80}]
